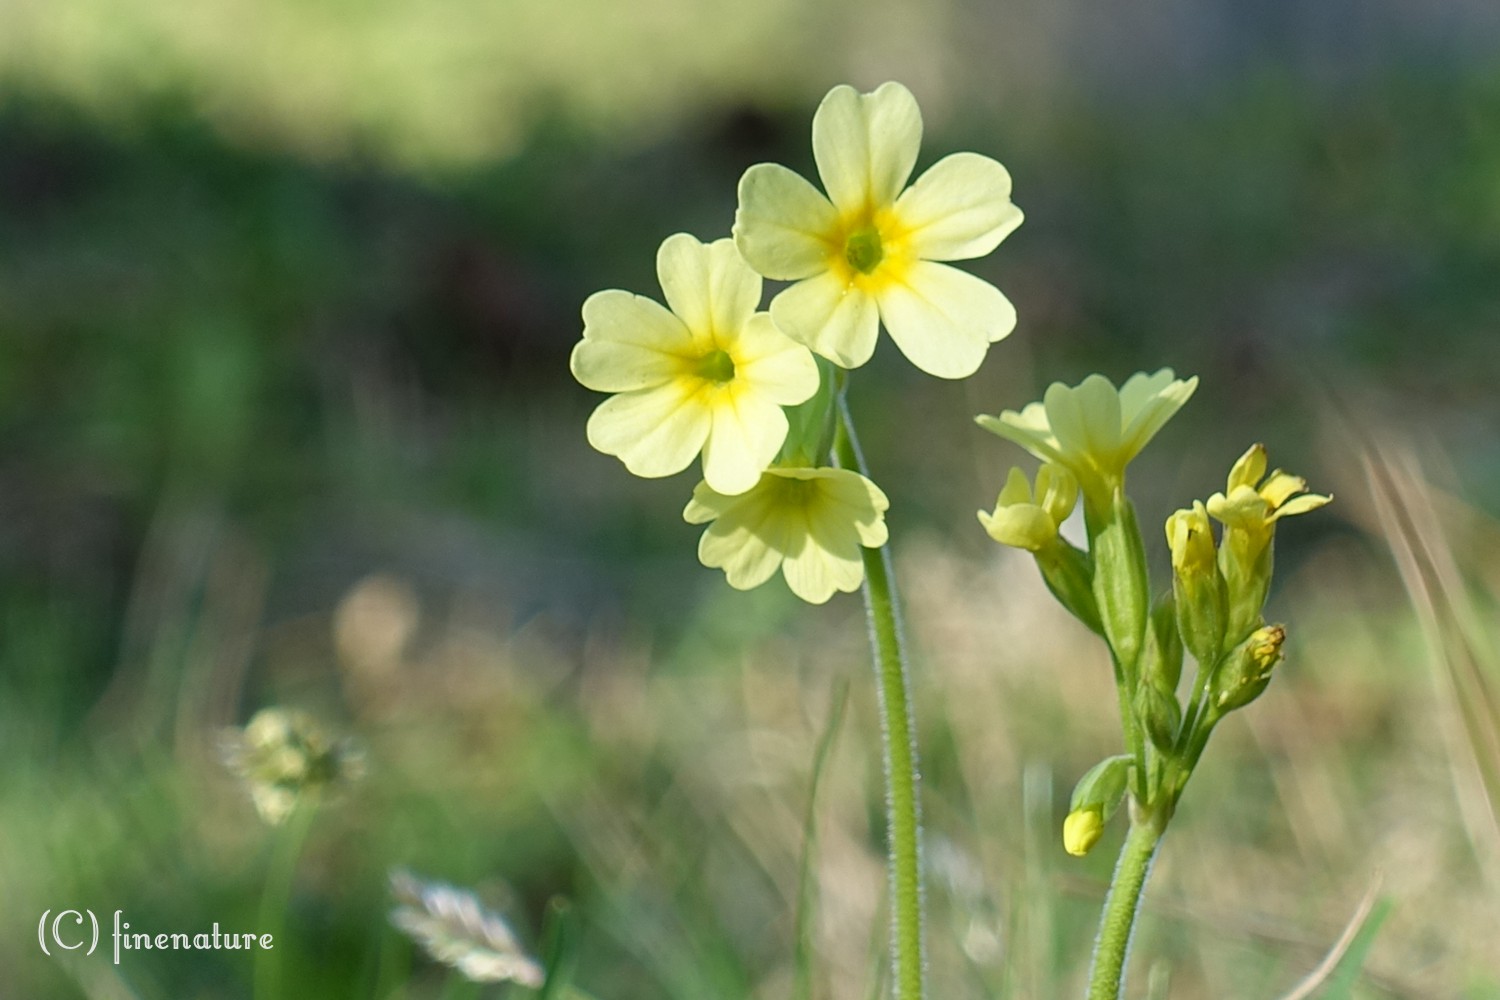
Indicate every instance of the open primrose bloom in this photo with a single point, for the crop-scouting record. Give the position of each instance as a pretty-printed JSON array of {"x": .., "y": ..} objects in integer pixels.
[
  {"x": 709, "y": 375},
  {"x": 867, "y": 252},
  {"x": 809, "y": 523},
  {"x": 1094, "y": 429}
]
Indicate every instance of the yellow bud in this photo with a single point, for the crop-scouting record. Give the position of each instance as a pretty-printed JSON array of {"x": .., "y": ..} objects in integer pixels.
[
  {"x": 1191, "y": 539},
  {"x": 1247, "y": 670},
  {"x": 1280, "y": 487},
  {"x": 1265, "y": 647},
  {"x": 1082, "y": 830}
]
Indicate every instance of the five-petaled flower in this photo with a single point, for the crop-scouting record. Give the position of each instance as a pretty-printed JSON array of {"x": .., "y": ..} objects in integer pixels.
[
  {"x": 709, "y": 376},
  {"x": 866, "y": 253},
  {"x": 1093, "y": 428},
  {"x": 810, "y": 523}
]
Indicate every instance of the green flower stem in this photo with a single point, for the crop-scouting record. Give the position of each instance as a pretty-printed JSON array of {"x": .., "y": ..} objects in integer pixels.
[
  {"x": 898, "y": 732},
  {"x": 1135, "y": 741},
  {"x": 276, "y": 897},
  {"x": 1112, "y": 947}
]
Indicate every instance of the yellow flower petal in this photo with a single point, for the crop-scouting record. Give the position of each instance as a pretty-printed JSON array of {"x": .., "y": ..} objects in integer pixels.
[
  {"x": 866, "y": 144},
  {"x": 814, "y": 574},
  {"x": 944, "y": 319},
  {"x": 1301, "y": 505},
  {"x": 1249, "y": 467},
  {"x": 747, "y": 431},
  {"x": 856, "y": 501},
  {"x": 1147, "y": 403},
  {"x": 1017, "y": 488},
  {"x": 748, "y": 557},
  {"x": 958, "y": 209},
  {"x": 709, "y": 286},
  {"x": 629, "y": 342},
  {"x": 834, "y": 319},
  {"x": 1086, "y": 420},
  {"x": 773, "y": 365},
  {"x": 783, "y": 225},
  {"x": 1028, "y": 428},
  {"x": 655, "y": 432}
]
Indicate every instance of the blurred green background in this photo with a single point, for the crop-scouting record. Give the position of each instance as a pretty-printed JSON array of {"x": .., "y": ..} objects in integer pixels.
[{"x": 287, "y": 292}]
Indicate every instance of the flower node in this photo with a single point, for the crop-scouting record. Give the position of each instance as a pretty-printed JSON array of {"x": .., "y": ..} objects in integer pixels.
[
  {"x": 717, "y": 367},
  {"x": 863, "y": 250}
]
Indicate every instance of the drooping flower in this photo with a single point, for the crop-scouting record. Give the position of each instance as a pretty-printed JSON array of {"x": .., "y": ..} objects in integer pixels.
[
  {"x": 809, "y": 523},
  {"x": 1094, "y": 429},
  {"x": 1028, "y": 522},
  {"x": 711, "y": 375},
  {"x": 456, "y": 930},
  {"x": 867, "y": 252}
]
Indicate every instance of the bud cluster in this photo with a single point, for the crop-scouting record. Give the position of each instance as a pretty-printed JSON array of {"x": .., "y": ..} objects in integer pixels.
[{"x": 1212, "y": 611}]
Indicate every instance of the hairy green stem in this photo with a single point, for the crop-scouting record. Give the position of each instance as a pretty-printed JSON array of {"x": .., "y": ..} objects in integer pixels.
[
  {"x": 1112, "y": 946},
  {"x": 898, "y": 731}
]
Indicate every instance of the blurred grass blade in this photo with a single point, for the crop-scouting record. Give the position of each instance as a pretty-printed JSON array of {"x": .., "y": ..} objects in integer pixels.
[
  {"x": 1347, "y": 956},
  {"x": 806, "y": 882},
  {"x": 559, "y": 949},
  {"x": 1464, "y": 659}
]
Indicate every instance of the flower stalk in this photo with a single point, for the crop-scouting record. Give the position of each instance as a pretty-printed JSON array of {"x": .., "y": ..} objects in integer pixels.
[
  {"x": 1121, "y": 906},
  {"x": 899, "y": 740}
]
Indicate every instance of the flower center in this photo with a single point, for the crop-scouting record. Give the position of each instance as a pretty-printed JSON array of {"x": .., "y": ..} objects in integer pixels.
[
  {"x": 863, "y": 249},
  {"x": 716, "y": 366}
]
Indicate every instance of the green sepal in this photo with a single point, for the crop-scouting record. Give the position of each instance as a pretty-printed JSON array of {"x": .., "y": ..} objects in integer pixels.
[
  {"x": 1121, "y": 587},
  {"x": 1246, "y": 567},
  {"x": 1162, "y": 665},
  {"x": 1247, "y": 669},
  {"x": 1069, "y": 575},
  {"x": 811, "y": 424},
  {"x": 1103, "y": 786},
  {"x": 1159, "y": 714}
]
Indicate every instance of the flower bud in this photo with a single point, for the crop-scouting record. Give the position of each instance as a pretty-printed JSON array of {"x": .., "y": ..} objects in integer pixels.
[
  {"x": 1095, "y": 798},
  {"x": 1161, "y": 666},
  {"x": 1082, "y": 830},
  {"x": 1159, "y": 714},
  {"x": 1201, "y": 597},
  {"x": 1247, "y": 670}
]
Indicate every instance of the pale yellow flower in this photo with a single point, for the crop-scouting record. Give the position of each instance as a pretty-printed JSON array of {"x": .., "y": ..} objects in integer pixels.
[
  {"x": 1251, "y": 505},
  {"x": 1093, "y": 428},
  {"x": 866, "y": 252},
  {"x": 809, "y": 523},
  {"x": 1028, "y": 521},
  {"x": 711, "y": 375}
]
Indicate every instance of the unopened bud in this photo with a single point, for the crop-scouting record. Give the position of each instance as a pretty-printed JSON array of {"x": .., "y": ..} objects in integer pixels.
[
  {"x": 1082, "y": 830},
  {"x": 1121, "y": 586},
  {"x": 1160, "y": 715},
  {"x": 1202, "y": 599},
  {"x": 1248, "y": 668}
]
